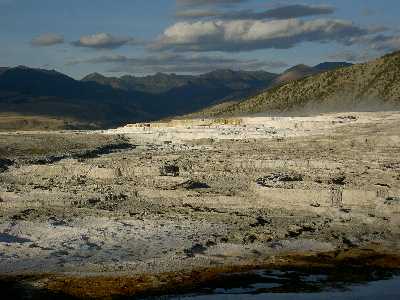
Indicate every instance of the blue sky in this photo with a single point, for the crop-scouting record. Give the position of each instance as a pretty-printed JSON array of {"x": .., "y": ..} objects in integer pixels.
[{"x": 142, "y": 37}]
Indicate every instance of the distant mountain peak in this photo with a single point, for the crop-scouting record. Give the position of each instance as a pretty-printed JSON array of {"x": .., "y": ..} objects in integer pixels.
[
  {"x": 295, "y": 73},
  {"x": 224, "y": 71},
  {"x": 33, "y": 73},
  {"x": 23, "y": 67},
  {"x": 297, "y": 68},
  {"x": 93, "y": 76}
]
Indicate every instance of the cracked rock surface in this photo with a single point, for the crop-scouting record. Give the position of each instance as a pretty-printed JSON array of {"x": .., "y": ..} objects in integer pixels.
[{"x": 144, "y": 200}]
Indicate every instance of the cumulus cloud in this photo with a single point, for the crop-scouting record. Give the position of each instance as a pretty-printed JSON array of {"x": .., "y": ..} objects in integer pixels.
[
  {"x": 208, "y": 2},
  {"x": 242, "y": 35},
  {"x": 104, "y": 41},
  {"x": 47, "y": 39},
  {"x": 177, "y": 63}
]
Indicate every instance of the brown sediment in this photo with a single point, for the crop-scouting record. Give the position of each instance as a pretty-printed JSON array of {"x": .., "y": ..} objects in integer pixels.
[{"x": 109, "y": 287}]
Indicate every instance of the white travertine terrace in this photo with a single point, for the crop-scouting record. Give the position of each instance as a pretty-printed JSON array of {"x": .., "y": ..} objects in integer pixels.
[{"x": 256, "y": 127}]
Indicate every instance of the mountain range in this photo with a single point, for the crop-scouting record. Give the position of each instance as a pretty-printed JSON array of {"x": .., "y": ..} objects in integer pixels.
[
  {"x": 98, "y": 101},
  {"x": 363, "y": 87}
]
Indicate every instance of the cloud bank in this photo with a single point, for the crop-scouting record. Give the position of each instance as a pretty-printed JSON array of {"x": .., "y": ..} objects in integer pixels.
[
  {"x": 283, "y": 12},
  {"x": 220, "y": 26},
  {"x": 245, "y": 35},
  {"x": 47, "y": 39},
  {"x": 298, "y": 10}
]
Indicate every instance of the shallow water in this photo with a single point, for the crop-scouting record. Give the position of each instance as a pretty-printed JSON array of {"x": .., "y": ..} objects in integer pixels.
[{"x": 282, "y": 285}]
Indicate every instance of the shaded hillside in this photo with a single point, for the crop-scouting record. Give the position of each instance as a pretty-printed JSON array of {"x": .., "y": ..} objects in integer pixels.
[
  {"x": 302, "y": 71},
  {"x": 369, "y": 86},
  {"x": 40, "y": 92},
  {"x": 161, "y": 83},
  {"x": 224, "y": 79},
  {"x": 3, "y": 69},
  {"x": 213, "y": 88},
  {"x": 88, "y": 104},
  {"x": 99, "y": 101},
  {"x": 40, "y": 82},
  {"x": 181, "y": 94},
  {"x": 156, "y": 84}
]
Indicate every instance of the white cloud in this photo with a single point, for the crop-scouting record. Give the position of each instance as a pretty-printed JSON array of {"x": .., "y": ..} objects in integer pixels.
[
  {"x": 103, "y": 41},
  {"x": 241, "y": 35},
  {"x": 47, "y": 39}
]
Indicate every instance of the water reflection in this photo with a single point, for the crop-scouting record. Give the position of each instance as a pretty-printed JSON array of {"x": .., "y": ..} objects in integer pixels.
[{"x": 288, "y": 284}]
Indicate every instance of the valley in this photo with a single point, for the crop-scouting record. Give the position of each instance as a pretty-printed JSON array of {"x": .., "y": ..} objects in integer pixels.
[
  {"x": 199, "y": 150},
  {"x": 52, "y": 100},
  {"x": 85, "y": 213}
]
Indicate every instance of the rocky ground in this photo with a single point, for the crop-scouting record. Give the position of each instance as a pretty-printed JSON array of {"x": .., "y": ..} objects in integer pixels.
[{"x": 170, "y": 198}]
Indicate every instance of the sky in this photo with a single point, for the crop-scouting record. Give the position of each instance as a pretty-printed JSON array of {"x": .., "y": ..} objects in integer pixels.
[{"x": 142, "y": 37}]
